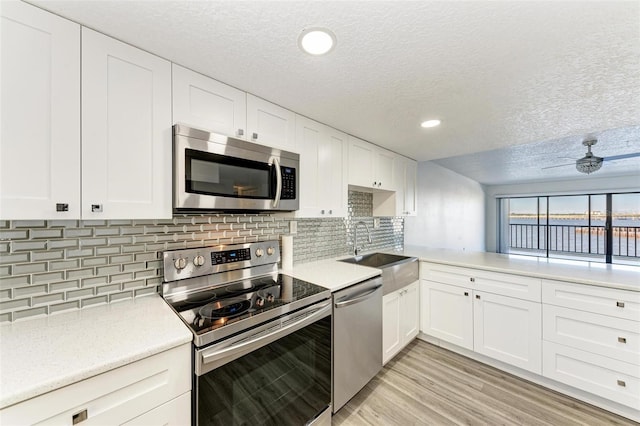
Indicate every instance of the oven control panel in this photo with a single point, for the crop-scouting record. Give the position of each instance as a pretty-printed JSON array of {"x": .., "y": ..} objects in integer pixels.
[{"x": 190, "y": 263}]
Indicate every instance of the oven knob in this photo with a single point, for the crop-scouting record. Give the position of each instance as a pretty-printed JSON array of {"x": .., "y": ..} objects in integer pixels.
[
  {"x": 259, "y": 252},
  {"x": 180, "y": 263},
  {"x": 198, "y": 260},
  {"x": 270, "y": 251},
  {"x": 260, "y": 302},
  {"x": 270, "y": 298}
]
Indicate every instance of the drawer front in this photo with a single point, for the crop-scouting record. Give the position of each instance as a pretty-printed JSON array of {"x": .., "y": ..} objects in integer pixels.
[
  {"x": 113, "y": 397},
  {"x": 612, "y": 379},
  {"x": 176, "y": 412},
  {"x": 446, "y": 274},
  {"x": 511, "y": 285},
  {"x": 517, "y": 286},
  {"x": 600, "y": 300},
  {"x": 601, "y": 334}
]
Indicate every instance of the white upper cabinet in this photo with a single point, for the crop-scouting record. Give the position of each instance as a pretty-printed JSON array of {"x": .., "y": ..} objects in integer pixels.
[
  {"x": 40, "y": 130},
  {"x": 269, "y": 124},
  {"x": 384, "y": 169},
  {"x": 361, "y": 163},
  {"x": 322, "y": 188},
  {"x": 205, "y": 103},
  {"x": 126, "y": 131},
  {"x": 370, "y": 166},
  {"x": 404, "y": 178}
]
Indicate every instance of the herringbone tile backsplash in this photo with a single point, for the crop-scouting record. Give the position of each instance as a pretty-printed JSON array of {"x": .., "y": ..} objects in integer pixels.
[{"x": 54, "y": 266}]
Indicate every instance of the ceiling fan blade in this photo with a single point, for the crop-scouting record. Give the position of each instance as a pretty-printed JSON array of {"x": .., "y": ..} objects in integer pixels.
[
  {"x": 559, "y": 165},
  {"x": 622, "y": 156}
]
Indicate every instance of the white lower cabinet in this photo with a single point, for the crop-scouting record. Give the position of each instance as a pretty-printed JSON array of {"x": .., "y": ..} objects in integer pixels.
[
  {"x": 400, "y": 319},
  {"x": 592, "y": 339},
  {"x": 154, "y": 390},
  {"x": 508, "y": 329},
  {"x": 603, "y": 376},
  {"x": 447, "y": 313},
  {"x": 476, "y": 310}
]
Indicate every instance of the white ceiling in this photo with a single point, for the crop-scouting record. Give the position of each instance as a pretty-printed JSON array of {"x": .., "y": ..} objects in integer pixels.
[{"x": 498, "y": 74}]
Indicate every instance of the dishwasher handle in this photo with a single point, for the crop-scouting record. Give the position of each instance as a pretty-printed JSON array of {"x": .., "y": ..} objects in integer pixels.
[{"x": 342, "y": 303}]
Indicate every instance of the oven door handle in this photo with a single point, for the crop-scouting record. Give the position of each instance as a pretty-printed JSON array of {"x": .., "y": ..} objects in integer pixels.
[
  {"x": 276, "y": 164},
  {"x": 222, "y": 356}
]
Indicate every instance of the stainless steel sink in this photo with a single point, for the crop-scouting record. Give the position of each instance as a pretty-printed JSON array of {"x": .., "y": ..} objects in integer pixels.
[
  {"x": 397, "y": 271},
  {"x": 377, "y": 260}
]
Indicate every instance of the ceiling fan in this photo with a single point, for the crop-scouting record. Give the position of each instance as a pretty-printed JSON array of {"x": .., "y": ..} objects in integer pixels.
[{"x": 590, "y": 163}]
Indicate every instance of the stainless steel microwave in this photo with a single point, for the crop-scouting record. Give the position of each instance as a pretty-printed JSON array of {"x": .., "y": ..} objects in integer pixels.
[{"x": 213, "y": 172}]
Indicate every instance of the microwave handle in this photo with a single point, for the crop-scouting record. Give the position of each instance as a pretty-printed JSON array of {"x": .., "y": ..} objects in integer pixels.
[{"x": 276, "y": 200}]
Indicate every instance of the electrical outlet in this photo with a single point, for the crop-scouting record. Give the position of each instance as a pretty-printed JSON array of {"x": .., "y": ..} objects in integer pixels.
[
  {"x": 293, "y": 227},
  {"x": 376, "y": 222}
]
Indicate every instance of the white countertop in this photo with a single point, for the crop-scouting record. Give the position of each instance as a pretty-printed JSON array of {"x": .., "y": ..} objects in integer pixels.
[
  {"x": 331, "y": 273},
  {"x": 336, "y": 275},
  {"x": 43, "y": 354},
  {"x": 591, "y": 273}
]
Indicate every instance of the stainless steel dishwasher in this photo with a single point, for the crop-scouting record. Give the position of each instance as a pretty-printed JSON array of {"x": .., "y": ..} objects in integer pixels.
[{"x": 357, "y": 338}]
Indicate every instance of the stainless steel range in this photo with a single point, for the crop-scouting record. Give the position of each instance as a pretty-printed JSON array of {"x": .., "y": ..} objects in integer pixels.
[{"x": 262, "y": 340}]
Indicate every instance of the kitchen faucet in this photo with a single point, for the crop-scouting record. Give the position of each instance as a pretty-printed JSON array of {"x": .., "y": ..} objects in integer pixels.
[{"x": 355, "y": 237}]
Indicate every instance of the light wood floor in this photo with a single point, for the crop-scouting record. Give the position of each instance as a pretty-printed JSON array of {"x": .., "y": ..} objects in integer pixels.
[{"x": 428, "y": 385}]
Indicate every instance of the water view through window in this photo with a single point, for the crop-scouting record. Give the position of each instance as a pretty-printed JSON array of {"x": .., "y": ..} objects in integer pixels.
[{"x": 601, "y": 227}]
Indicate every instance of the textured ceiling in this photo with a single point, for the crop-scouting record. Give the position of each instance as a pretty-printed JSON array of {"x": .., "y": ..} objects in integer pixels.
[{"x": 497, "y": 74}]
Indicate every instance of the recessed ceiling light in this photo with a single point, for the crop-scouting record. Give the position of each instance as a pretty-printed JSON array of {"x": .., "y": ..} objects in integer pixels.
[
  {"x": 316, "y": 41},
  {"x": 430, "y": 123}
]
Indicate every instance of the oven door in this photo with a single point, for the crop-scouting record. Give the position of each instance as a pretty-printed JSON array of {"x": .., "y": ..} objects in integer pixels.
[
  {"x": 275, "y": 374},
  {"x": 214, "y": 172}
]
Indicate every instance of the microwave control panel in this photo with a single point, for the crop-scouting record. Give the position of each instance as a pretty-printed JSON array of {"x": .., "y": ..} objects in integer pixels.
[{"x": 288, "y": 183}]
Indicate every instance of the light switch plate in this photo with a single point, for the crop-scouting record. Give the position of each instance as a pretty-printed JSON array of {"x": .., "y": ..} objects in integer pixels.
[
  {"x": 293, "y": 227},
  {"x": 376, "y": 222}
]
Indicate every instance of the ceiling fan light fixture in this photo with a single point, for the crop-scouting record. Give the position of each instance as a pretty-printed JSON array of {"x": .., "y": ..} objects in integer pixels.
[
  {"x": 316, "y": 41},
  {"x": 589, "y": 164}
]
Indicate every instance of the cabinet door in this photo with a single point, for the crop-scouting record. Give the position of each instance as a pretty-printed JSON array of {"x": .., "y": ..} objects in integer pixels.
[
  {"x": 391, "y": 333},
  {"x": 410, "y": 188},
  {"x": 384, "y": 169},
  {"x": 271, "y": 125},
  {"x": 40, "y": 114},
  {"x": 361, "y": 163},
  {"x": 446, "y": 312},
  {"x": 410, "y": 312},
  {"x": 332, "y": 186},
  {"x": 399, "y": 184},
  {"x": 309, "y": 139},
  {"x": 205, "y": 103},
  {"x": 126, "y": 131},
  {"x": 508, "y": 330}
]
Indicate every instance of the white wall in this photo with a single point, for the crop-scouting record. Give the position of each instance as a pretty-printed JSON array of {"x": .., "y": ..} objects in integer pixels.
[
  {"x": 587, "y": 185},
  {"x": 451, "y": 211}
]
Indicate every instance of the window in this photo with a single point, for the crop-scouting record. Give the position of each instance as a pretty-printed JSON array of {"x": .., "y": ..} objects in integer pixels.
[{"x": 592, "y": 227}]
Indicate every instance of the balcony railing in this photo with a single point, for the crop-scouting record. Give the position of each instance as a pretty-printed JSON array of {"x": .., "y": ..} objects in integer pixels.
[{"x": 575, "y": 239}]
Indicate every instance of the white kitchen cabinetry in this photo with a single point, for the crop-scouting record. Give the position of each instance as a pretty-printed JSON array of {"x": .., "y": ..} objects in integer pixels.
[
  {"x": 370, "y": 166},
  {"x": 126, "y": 131},
  {"x": 322, "y": 190},
  {"x": 130, "y": 393},
  {"x": 494, "y": 314},
  {"x": 400, "y": 319},
  {"x": 404, "y": 178},
  {"x": 592, "y": 339},
  {"x": 205, "y": 103},
  {"x": 40, "y": 131},
  {"x": 271, "y": 125}
]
